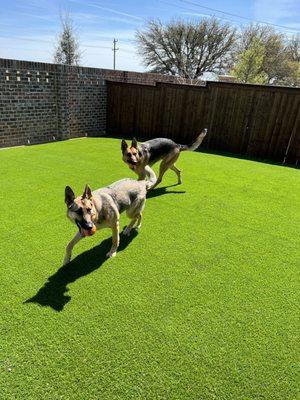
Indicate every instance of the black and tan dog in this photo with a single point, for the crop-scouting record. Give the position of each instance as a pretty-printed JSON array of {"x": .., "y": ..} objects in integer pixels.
[
  {"x": 102, "y": 208},
  {"x": 141, "y": 158}
]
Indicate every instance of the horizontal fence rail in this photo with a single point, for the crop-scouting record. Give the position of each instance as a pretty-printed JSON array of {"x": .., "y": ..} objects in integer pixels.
[{"x": 251, "y": 120}]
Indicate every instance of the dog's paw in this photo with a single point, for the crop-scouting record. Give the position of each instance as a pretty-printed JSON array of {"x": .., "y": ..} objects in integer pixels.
[{"x": 111, "y": 254}]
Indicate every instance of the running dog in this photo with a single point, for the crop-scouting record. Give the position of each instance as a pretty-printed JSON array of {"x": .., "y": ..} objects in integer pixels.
[
  {"x": 102, "y": 208},
  {"x": 141, "y": 158}
]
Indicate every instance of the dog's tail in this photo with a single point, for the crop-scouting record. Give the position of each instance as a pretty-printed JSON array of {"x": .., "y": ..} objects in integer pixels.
[
  {"x": 193, "y": 146},
  {"x": 152, "y": 177}
]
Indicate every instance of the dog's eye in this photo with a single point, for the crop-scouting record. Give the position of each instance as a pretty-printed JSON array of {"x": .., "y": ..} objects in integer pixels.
[{"x": 79, "y": 211}]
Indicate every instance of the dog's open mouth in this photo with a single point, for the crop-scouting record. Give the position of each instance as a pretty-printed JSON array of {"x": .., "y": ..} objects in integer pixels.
[
  {"x": 86, "y": 231},
  {"x": 131, "y": 163}
]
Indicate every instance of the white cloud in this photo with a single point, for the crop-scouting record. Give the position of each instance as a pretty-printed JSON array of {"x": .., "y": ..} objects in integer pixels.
[
  {"x": 97, "y": 47},
  {"x": 36, "y": 25},
  {"x": 109, "y": 34},
  {"x": 97, "y": 51},
  {"x": 110, "y": 10},
  {"x": 195, "y": 14},
  {"x": 116, "y": 12},
  {"x": 201, "y": 15},
  {"x": 30, "y": 50},
  {"x": 47, "y": 18},
  {"x": 83, "y": 18},
  {"x": 277, "y": 11}
]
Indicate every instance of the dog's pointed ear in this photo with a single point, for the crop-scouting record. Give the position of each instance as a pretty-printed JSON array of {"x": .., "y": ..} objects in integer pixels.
[
  {"x": 87, "y": 194},
  {"x": 134, "y": 143},
  {"x": 69, "y": 196},
  {"x": 124, "y": 145}
]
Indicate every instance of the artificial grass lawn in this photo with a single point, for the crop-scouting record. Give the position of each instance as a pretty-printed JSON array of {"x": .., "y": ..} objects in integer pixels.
[{"x": 201, "y": 304}]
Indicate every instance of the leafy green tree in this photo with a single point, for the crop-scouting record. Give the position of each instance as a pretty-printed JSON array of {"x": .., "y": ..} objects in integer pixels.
[
  {"x": 281, "y": 56},
  {"x": 248, "y": 68},
  {"x": 292, "y": 78}
]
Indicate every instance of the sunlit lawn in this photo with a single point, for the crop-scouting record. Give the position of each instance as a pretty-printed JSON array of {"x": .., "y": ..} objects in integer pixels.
[{"x": 202, "y": 303}]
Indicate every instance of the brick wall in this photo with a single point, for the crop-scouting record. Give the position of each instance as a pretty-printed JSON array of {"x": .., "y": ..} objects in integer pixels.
[
  {"x": 45, "y": 102},
  {"x": 42, "y": 102}
]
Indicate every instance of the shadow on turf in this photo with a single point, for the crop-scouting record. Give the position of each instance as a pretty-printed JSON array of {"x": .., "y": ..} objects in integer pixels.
[
  {"x": 53, "y": 293},
  {"x": 163, "y": 190}
]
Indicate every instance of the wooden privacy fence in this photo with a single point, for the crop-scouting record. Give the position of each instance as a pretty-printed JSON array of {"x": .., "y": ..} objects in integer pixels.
[{"x": 251, "y": 120}]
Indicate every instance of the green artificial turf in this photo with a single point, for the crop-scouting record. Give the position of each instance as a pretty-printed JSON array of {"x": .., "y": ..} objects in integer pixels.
[{"x": 202, "y": 303}]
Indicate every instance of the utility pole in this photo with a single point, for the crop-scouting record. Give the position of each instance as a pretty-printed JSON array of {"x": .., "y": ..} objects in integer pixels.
[{"x": 115, "y": 50}]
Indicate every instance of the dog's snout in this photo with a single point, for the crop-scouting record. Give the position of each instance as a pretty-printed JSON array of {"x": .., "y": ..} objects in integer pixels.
[{"x": 89, "y": 225}]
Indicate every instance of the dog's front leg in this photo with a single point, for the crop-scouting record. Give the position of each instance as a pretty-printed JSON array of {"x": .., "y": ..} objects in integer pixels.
[
  {"x": 70, "y": 246},
  {"x": 142, "y": 173},
  {"x": 152, "y": 177},
  {"x": 115, "y": 240}
]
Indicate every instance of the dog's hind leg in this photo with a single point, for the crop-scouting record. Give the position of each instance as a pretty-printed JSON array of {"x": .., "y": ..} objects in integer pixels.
[
  {"x": 115, "y": 240},
  {"x": 135, "y": 214},
  {"x": 164, "y": 165},
  {"x": 70, "y": 246},
  {"x": 128, "y": 228},
  {"x": 177, "y": 172},
  {"x": 139, "y": 221}
]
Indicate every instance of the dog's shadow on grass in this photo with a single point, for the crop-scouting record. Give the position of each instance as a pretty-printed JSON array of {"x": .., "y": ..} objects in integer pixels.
[
  {"x": 53, "y": 293},
  {"x": 163, "y": 190}
]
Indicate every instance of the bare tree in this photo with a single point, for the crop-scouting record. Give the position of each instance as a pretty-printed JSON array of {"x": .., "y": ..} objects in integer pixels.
[
  {"x": 293, "y": 48},
  {"x": 292, "y": 77},
  {"x": 67, "y": 50},
  {"x": 186, "y": 49},
  {"x": 189, "y": 81}
]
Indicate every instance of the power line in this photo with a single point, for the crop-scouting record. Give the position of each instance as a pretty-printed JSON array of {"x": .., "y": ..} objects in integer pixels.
[
  {"x": 236, "y": 15},
  {"x": 94, "y": 46},
  {"x": 50, "y": 42},
  {"x": 194, "y": 11},
  {"x": 287, "y": 29},
  {"x": 25, "y": 49}
]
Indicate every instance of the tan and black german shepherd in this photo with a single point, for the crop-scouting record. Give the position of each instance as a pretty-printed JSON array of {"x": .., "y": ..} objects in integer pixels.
[
  {"x": 141, "y": 158},
  {"x": 102, "y": 208}
]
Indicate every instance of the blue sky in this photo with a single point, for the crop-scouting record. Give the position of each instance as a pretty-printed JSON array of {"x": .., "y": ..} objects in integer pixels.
[{"x": 29, "y": 28}]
